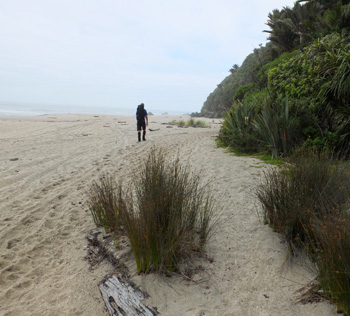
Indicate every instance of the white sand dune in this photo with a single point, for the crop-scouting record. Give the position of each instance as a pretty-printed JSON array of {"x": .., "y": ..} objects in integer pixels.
[{"x": 47, "y": 164}]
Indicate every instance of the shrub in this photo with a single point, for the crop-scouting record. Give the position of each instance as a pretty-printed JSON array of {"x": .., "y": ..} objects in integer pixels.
[
  {"x": 200, "y": 123},
  {"x": 243, "y": 90},
  {"x": 191, "y": 122},
  {"x": 166, "y": 212},
  {"x": 333, "y": 258},
  {"x": 181, "y": 123},
  {"x": 237, "y": 129},
  {"x": 317, "y": 80},
  {"x": 102, "y": 204},
  {"x": 310, "y": 186},
  {"x": 278, "y": 128},
  {"x": 308, "y": 202}
]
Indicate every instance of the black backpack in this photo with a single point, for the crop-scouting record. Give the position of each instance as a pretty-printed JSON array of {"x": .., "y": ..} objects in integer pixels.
[{"x": 140, "y": 113}]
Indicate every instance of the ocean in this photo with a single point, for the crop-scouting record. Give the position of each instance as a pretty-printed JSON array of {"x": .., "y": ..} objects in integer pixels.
[{"x": 21, "y": 109}]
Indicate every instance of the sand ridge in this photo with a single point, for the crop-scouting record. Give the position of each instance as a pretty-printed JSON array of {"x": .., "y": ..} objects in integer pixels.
[{"x": 47, "y": 164}]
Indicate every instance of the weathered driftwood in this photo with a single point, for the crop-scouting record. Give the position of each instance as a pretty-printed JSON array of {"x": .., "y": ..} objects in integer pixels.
[
  {"x": 122, "y": 299},
  {"x": 97, "y": 252}
]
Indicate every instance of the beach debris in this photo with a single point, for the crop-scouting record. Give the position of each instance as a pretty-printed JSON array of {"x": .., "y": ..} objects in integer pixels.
[
  {"x": 14, "y": 159},
  {"x": 121, "y": 296},
  {"x": 123, "y": 299},
  {"x": 311, "y": 293},
  {"x": 122, "y": 122},
  {"x": 154, "y": 129},
  {"x": 97, "y": 252}
]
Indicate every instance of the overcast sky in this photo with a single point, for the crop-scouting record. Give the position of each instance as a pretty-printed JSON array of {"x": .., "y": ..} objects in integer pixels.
[{"x": 169, "y": 54}]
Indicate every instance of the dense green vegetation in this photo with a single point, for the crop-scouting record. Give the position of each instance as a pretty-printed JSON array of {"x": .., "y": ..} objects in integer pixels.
[
  {"x": 291, "y": 98},
  {"x": 294, "y": 92},
  {"x": 307, "y": 201}
]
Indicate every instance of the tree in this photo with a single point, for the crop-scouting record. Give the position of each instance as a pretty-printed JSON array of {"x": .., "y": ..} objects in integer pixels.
[
  {"x": 281, "y": 33},
  {"x": 234, "y": 69}
]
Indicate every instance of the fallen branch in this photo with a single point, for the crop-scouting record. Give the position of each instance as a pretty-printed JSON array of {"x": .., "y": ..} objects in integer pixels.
[{"x": 122, "y": 299}]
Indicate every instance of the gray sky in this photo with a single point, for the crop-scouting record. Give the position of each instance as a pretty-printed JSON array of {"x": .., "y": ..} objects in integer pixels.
[{"x": 119, "y": 53}]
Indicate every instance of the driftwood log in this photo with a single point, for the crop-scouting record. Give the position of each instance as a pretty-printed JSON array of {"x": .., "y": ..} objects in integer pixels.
[{"x": 122, "y": 299}]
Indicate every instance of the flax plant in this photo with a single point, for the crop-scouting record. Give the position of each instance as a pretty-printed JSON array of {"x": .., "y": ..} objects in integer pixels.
[
  {"x": 278, "y": 128},
  {"x": 237, "y": 128}
]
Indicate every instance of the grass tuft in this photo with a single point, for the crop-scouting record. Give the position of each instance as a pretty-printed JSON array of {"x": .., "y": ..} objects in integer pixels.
[
  {"x": 310, "y": 185},
  {"x": 307, "y": 201},
  {"x": 102, "y": 203},
  {"x": 190, "y": 123},
  {"x": 167, "y": 213},
  {"x": 333, "y": 259}
]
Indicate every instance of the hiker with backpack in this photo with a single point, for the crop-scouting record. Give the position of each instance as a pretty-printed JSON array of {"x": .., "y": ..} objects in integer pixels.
[{"x": 142, "y": 121}]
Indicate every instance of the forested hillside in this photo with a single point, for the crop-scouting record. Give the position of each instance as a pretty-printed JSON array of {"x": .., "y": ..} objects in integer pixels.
[
  {"x": 221, "y": 99},
  {"x": 291, "y": 99},
  {"x": 294, "y": 92}
]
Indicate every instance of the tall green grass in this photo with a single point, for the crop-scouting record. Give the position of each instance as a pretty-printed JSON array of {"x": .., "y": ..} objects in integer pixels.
[
  {"x": 332, "y": 257},
  {"x": 307, "y": 201},
  {"x": 190, "y": 123},
  {"x": 167, "y": 213},
  {"x": 198, "y": 123},
  {"x": 309, "y": 185},
  {"x": 102, "y": 203}
]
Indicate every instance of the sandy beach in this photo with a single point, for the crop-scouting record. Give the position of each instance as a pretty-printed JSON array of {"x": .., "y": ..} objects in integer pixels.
[{"x": 47, "y": 165}]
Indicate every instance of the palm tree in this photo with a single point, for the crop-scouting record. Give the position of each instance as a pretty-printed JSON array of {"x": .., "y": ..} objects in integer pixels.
[
  {"x": 326, "y": 4},
  {"x": 337, "y": 18},
  {"x": 294, "y": 27},
  {"x": 281, "y": 34},
  {"x": 234, "y": 69}
]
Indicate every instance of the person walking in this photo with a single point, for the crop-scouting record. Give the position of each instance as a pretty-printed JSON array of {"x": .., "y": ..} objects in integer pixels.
[{"x": 142, "y": 121}]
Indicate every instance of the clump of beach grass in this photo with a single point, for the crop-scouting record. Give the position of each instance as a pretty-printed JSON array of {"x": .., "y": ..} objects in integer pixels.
[
  {"x": 102, "y": 203},
  {"x": 181, "y": 123},
  {"x": 199, "y": 123},
  {"x": 332, "y": 258},
  {"x": 196, "y": 123},
  {"x": 190, "y": 123},
  {"x": 309, "y": 185},
  {"x": 308, "y": 201},
  {"x": 167, "y": 213}
]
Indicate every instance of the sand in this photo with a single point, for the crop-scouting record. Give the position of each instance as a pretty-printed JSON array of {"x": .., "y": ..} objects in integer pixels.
[{"x": 47, "y": 165}]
